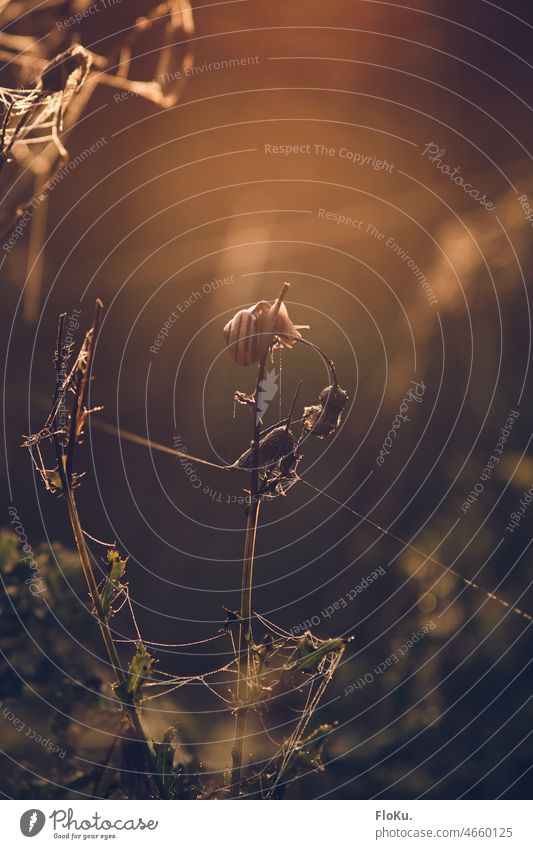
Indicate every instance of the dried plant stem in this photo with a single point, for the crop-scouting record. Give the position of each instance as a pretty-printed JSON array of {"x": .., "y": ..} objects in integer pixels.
[
  {"x": 245, "y": 628},
  {"x": 129, "y": 709},
  {"x": 245, "y": 634},
  {"x": 93, "y": 588},
  {"x": 65, "y": 469}
]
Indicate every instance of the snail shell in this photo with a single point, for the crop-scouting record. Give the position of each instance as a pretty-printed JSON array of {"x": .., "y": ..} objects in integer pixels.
[
  {"x": 276, "y": 322},
  {"x": 241, "y": 337},
  {"x": 250, "y": 332}
]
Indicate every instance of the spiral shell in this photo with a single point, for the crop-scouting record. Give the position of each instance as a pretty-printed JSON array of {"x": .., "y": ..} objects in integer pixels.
[
  {"x": 241, "y": 338},
  {"x": 250, "y": 332}
]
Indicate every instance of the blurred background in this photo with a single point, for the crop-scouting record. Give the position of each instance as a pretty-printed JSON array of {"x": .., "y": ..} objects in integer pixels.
[{"x": 313, "y": 143}]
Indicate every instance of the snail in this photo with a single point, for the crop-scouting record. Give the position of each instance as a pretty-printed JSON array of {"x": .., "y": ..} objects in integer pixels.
[
  {"x": 251, "y": 332},
  {"x": 241, "y": 335}
]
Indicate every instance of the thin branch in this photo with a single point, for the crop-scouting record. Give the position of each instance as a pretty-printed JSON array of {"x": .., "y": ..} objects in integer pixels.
[{"x": 245, "y": 627}]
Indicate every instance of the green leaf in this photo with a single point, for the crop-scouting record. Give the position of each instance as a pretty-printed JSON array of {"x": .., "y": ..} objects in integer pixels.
[
  {"x": 311, "y": 651},
  {"x": 140, "y": 669},
  {"x": 113, "y": 585},
  {"x": 164, "y": 754},
  {"x": 309, "y": 751}
]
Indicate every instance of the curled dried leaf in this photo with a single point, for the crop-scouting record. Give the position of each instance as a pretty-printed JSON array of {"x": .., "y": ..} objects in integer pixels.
[
  {"x": 73, "y": 64},
  {"x": 278, "y": 443},
  {"x": 323, "y": 419}
]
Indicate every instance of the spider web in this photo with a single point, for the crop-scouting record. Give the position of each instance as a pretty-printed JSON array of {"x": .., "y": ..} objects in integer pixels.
[
  {"x": 31, "y": 118},
  {"x": 34, "y": 120},
  {"x": 283, "y": 661},
  {"x": 276, "y": 668}
]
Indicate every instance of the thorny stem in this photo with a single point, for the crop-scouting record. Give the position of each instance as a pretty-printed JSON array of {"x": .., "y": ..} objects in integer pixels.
[
  {"x": 244, "y": 654},
  {"x": 65, "y": 473}
]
